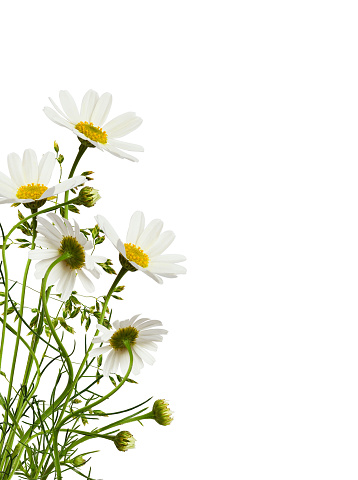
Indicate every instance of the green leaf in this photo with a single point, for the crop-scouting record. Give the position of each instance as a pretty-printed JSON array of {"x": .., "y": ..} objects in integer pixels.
[
  {"x": 75, "y": 312},
  {"x": 113, "y": 381},
  {"x": 88, "y": 324},
  {"x": 73, "y": 209},
  {"x": 66, "y": 326}
]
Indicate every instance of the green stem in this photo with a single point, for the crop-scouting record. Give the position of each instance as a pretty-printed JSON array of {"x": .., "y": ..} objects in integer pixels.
[
  {"x": 81, "y": 151},
  {"x": 9, "y": 443},
  {"x": 6, "y": 275},
  {"x": 120, "y": 275},
  {"x": 88, "y": 434},
  {"x": 25, "y": 439}
]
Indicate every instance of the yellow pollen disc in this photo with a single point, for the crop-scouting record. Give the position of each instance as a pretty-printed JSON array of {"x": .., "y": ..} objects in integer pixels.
[
  {"x": 136, "y": 254},
  {"x": 93, "y": 133},
  {"x": 32, "y": 190}
]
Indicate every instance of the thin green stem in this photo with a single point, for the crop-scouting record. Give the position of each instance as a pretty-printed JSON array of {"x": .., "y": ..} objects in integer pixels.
[
  {"x": 120, "y": 275},
  {"x": 88, "y": 434},
  {"x": 81, "y": 151},
  {"x": 6, "y": 275},
  {"x": 25, "y": 439}
]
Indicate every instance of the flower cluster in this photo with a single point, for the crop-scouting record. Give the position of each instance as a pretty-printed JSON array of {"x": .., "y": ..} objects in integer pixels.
[{"x": 64, "y": 252}]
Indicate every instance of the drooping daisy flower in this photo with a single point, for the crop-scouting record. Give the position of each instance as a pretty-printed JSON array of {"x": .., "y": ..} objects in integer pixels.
[
  {"x": 88, "y": 122},
  {"x": 29, "y": 179},
  {"x": 141, "y": 336},
  {"x": 144, "y": 247},
  {"x": 58, "y": 239}
]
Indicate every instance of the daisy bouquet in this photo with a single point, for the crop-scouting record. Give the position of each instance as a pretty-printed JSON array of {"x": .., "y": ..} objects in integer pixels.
[{"x": 43, "y": 438}]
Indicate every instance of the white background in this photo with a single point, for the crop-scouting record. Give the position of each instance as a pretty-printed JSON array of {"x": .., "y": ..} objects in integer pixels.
[{"x": 250, "y": 135}]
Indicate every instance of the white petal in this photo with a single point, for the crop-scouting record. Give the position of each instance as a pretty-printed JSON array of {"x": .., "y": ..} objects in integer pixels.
[
  {"x": 30, "y": 168},
  {"x": 42, "y": 254},
  {"x": 119, "y": 153},
  {"x": 15, "y": 169},
  {"x": 137, "y": 361},
  {"x": 148, "y": 345},
  {"x": 120, "y": 129},
  {"x": 8, "y": 192},
  {"x": 86, "y": 282},
  {"x": 132, "y": 147},
  {"x": 152, "y": 331},
  {"x": 64, "y": 186},
  {"x": 102, "y": 329},
  {"x": 42, "y": 266},
  {"x": 68, "y": 286},
  {"x": 56, "y": 273},
  {"x": 133, "y": 319},
  {"x": 88, "y": 103},
  {"x": 116, "y": 324},
  {"x": 169, "y": 258},
  {"x": 58, "y": 110},
  {"x": 147, "y": 357},
  {"x": 149, "y": 323},
  {"x": 116, "y": 360},
  {"x": 69, "y": 106},
  {"x": 45, "y": 242},
  {"x": 162, "y": 267},
  {"x": 136, "y": 227},
  {"x": 163, "y": 242},
  {"x": 55, "y": 117},
  {"x": 107, "y": 368},
  {"x": 50, "y": 228},
  {"x": 8, "y": 182},
  {"x": 118, "y": 122},
  {"x": 99, "y": 350},
  {"x": 150, "y": 234},
  {"x": 63, "y": 280},
  {"x": 124, "y": 361},
  {"x": 101, "y": 110},
  {"x": 59, "y": 223},
  {"x": 150, "y": 274},
  {"x": 46, "y": 166},
  {"x": 109, "y": 231}
]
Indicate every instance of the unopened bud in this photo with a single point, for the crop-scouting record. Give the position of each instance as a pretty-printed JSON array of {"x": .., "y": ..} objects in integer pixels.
[
  {"x": 88, "y": 197},
  {"x": 161, "y": 412},
  {"x": 124, "y": 441},
  {"x": 78, "y": 461},
  {"x": 56, "y": 147}
]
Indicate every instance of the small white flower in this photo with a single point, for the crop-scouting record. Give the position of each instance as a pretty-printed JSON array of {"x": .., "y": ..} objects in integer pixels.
[
  {"x": 88, "y": 122},
  {"x": 144, "y": 247},
  {"x": 141, "y": 336},
  {"x": 59, "y": 239},
  {"x": 29, "y": 179}
]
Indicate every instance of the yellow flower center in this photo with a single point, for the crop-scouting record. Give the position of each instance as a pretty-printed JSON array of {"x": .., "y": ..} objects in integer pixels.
[
  {"x": 136, "y": 254},
  {"x": 93, "y": 133},
  {"x": 31, "y": 191},
  {"x": 117, "y": 339}
]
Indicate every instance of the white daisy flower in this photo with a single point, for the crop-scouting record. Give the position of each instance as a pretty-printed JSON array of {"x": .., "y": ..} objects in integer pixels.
[
  {"x": 29, "y": 179},
  {"x": 62, "y": 238},
  {"x": 141, "y": 336},
  {"x": 144, "y": 247},
  {"x": 88, "y": 123}
]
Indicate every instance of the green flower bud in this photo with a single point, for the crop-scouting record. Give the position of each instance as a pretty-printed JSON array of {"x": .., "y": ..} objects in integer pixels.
[
  {"x": 56, "y": 147},
  {"x": 124, "y": 441},
  {"x": 162, "y": 413},
  {"x": 78, "y": 461},
  {"x": 88, "y": 197}
]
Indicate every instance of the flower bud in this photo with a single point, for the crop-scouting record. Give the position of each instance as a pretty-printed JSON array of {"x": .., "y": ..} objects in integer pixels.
[
  {"x": 124, "y": 441},
  {"x": 162, "y": 413},
  {"x": 56, "y": 147},
  {"x": 78, "y": 461},
  {"x": 88, "y": 197}
]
